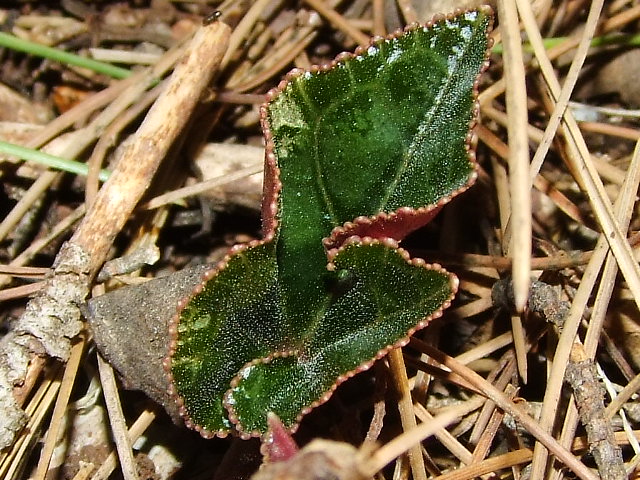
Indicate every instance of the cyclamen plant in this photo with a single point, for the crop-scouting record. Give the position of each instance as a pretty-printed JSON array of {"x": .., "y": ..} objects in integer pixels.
[{"x": 359, "y": 153}]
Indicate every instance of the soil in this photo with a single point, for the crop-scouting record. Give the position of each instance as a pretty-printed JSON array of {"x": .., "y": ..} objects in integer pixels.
[{"x": 53, "y": 106}]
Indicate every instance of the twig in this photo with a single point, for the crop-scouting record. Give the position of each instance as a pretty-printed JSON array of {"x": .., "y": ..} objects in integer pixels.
[
  {"x": 124, "y": 91},
  {"x": 623, "y": 210},
  {"x": 109, "y": 136},
  {"x": 81, "y": 257},
  {"x": 140, "y": 157},
  {"x": 120, "y": 96},
  {"x": 500, "y": 399},
  {"x": 589, "y": 395}
]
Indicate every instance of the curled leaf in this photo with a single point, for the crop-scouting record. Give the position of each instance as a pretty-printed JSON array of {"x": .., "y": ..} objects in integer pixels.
[{"x": 360, "y": 152}]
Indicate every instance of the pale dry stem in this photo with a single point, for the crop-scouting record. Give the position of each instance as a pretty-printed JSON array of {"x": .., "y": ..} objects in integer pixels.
[
  {"x": 294, "y": 49},
  {"x": 518, "y": 243},
  {"x": 117, "y": 420},
  {"x": 59, "y": 410},
  {"x": 407, "y": 414}
]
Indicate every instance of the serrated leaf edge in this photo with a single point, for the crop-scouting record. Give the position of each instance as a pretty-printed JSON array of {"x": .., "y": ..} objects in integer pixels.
[
  {"x": 339, "y": 235},
  {"x": 416, "y": 262},
  {"x": 366, "y": 225},
  {"x": 173, "y": 336}
]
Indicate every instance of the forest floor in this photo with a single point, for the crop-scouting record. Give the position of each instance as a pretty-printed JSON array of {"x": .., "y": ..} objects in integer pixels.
[{"x": 553, "y": 209}]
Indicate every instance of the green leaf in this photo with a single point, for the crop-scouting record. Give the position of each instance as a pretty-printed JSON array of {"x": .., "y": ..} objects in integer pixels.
[{"x": 359, "y": 153}]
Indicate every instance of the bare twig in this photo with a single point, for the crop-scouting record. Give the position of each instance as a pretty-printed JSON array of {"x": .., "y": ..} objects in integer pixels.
[
  {"x": 513, "y": 409},
  {"x": 589, "y": 395},
  {"x": 53, "y": 317},
  {"x": 623, "y": 210}
]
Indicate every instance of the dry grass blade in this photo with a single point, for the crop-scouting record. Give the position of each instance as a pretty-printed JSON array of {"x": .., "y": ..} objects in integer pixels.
[
  {"x": 21, "y": 291},
  {"x": 201, "y": 187},
  {"x": 60, "y": 407},
  {"x": 118, "y": 96},
  {"x": 117, "y": 421},
  {"x": 584, "y": 170},
  {"x": 556, "y": 375},
  {"x": 616, "y": 404},
  {"x": 481, "y": 238},
  {"x": 27, "y": 254},
  {"x": 405, "y": 405},
  {"x": 339, "y": 21},
  {"x": 489, "y": 433},
  {"x": 151, "y": 142},
  {"x": 137, "y": 429},
  {"x": 242, "y": 30},
  {"x": 519, "y": 344},
  {"x": 513, "y": 409},
  {"x": 518, "y": 244},
  {"x": 408, "y": 11},
  {"x": 612, "y": 130},
  {"x": 20, "y": 271},
  {"x": 13, "y": 460},
  {"x": 279, "y": 60},
  {"x": 407, "y": 440},
  {"x": 443, "y": 435},
  {"x": 485, "y": 349},
  {"x": 489, "y": 465},
  {"x": 20, "y": 209},
  {"x": 623, "y": 210},
  {"x": 378, "y": 17}
]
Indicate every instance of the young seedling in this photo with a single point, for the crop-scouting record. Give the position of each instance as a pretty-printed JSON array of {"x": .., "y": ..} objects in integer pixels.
[{"x": 359, "y": 153}]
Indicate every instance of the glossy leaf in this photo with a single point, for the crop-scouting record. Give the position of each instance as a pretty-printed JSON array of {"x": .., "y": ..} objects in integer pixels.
[{"x": 359, "y": 153}]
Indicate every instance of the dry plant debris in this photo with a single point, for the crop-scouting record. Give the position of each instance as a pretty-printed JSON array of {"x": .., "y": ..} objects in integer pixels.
[{"x": 502, "y": 380}]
